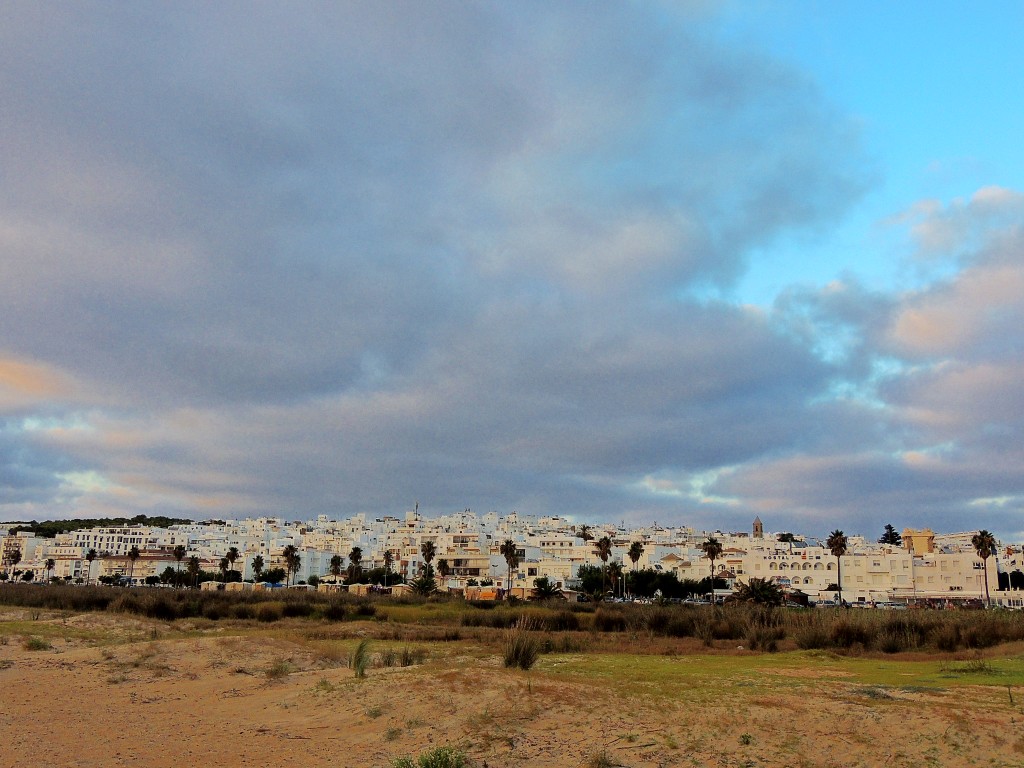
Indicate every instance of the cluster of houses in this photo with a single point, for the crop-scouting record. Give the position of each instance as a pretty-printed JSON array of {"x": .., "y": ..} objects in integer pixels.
[{"x": 924, "y": 567}]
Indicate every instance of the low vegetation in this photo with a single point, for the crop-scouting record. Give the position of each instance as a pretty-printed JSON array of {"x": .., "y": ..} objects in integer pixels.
[{"x": 544, "y": 626}]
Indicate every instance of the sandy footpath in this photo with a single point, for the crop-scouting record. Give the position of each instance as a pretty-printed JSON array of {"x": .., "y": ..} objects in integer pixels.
[{"x": 266, "y": 699}]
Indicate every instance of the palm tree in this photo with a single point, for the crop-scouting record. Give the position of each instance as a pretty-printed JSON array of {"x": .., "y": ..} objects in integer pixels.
[
  {"x": 428, "y": 551},
  {"x": 335, "y": 567},
  {"x": 510, "y": 553},
  {"x": 193, "y": 570},
  {"x": 133, "y": 555},
  {"x": 636, "y": 551},
  {"x": 837, "y": 544},
  {"x": 290, "y": 555},
  {"x": 388, "y": 560},
  {"x": 712, "y": 549},
  {"x": 355, "y": 563},
  {"x": 584, "y": 533},
  {"x": 443, "y": 569},
  {"x": 615, "y": 573},
  {"x": 232, "y": 556},
  {"x": 604, "y": 551},
  {"x": 761, "y": 591},
  {"x": 50, "y": 565},
  {"x": 89, "y": 557},
  {"x": 985, "y": 545},
  {"x": 224, "y": 569},
  {"x": 545, "y": 589},
  {"x": 179, "y": 555},
  {"x": 257, "y": 568},
  {"x": 14, "y": 559}
]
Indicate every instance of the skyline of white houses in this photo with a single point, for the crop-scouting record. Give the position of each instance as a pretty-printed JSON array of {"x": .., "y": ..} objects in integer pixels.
[{"x": 927, "y": 565}]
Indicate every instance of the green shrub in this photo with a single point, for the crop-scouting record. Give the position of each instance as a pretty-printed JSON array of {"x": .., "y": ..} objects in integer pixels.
[
  {"x": 521, "y": 646},
  {"x": 36, "y": 644},
  {"x": 439, "y": 757},
  {"x": 360, "y": 658}
]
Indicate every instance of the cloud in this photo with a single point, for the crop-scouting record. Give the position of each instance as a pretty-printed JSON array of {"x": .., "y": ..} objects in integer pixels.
[{"x": 344, "y": 257}]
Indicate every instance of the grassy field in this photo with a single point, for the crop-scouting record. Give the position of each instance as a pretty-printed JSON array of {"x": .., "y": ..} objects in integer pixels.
[{"x": 617, "y": 689}]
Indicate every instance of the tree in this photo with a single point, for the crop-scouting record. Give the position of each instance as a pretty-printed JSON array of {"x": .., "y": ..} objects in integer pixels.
[
  {"x": 585, "y": 534},
  {"x": 511, "y": 554},
  {"x": 193, "y": 570},
  {"x": 274, "y": 575},
  {"x": 50, "y": 565},
  {"x": 232, "y": 556},
  {"x": 14, "y": 559},
  {"x": 985, "y": 545},
  {"x": 355, "y": 564},
  {"x": 257, "y": 568},
  {"x": 179, "y": 555},
  {"x": 223, "y": 564},
  {"x": 712, "y": 549},
  {"x": 290, "y": 555},
  {"x": 389, "y": 560},
  {"x": 133, "y": 555},
  {"x": 891, "y": 536},
  {"x": 837, "y": 544},
  {"x": 89, "y": 557},
  {"x": 603, "y": 548},
  {"x": 591, "y": 578},
  {"x": 424, "y": 584},
  {"x": 615, "y": 573},
  {"x": 443, "y": 569},
  {"x": 787, "y": 538},
  {"x": 636, "y": 551},
  {"x": 760, "y": 591},
  {"x": 428, "y": 551},
  {"x": 544, "y": 589},
  {"x": 335, "y": 567}
]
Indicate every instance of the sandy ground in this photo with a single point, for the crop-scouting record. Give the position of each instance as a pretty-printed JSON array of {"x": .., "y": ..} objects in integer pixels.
[{"x": 272, "y": 697}]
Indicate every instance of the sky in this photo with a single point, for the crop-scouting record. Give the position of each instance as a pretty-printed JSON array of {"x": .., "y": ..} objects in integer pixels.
[{"x": 684, "y": 263}]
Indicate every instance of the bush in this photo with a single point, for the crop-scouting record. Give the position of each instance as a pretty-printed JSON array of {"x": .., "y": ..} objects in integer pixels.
[
  {"x": 36, "y": 644},
  {"x": 846, "y": 633},
  {"x": 608, "y": 620},
  {"x": 521, "y": 646},
  {"x": 162, "y": 609},
  {"x": 360, "y": 658},
  {"x": 761, "y": 638},
  {"x": 297, "y": 609},
  {"x": 812, "y": 637},
  {"x": 682, "y": 625},
  {"x": 563, "y": 621},
  {"x": 440, "y": 757},
  {"x": 946, "y": 637},
  {"x": 269, "y": 612},
  {"x": 984, "y": 634},
  {"x": 334, "y": 611}
]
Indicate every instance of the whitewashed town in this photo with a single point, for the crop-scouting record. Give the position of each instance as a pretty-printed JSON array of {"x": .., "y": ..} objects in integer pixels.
[{"x": 470, "y": 555}]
